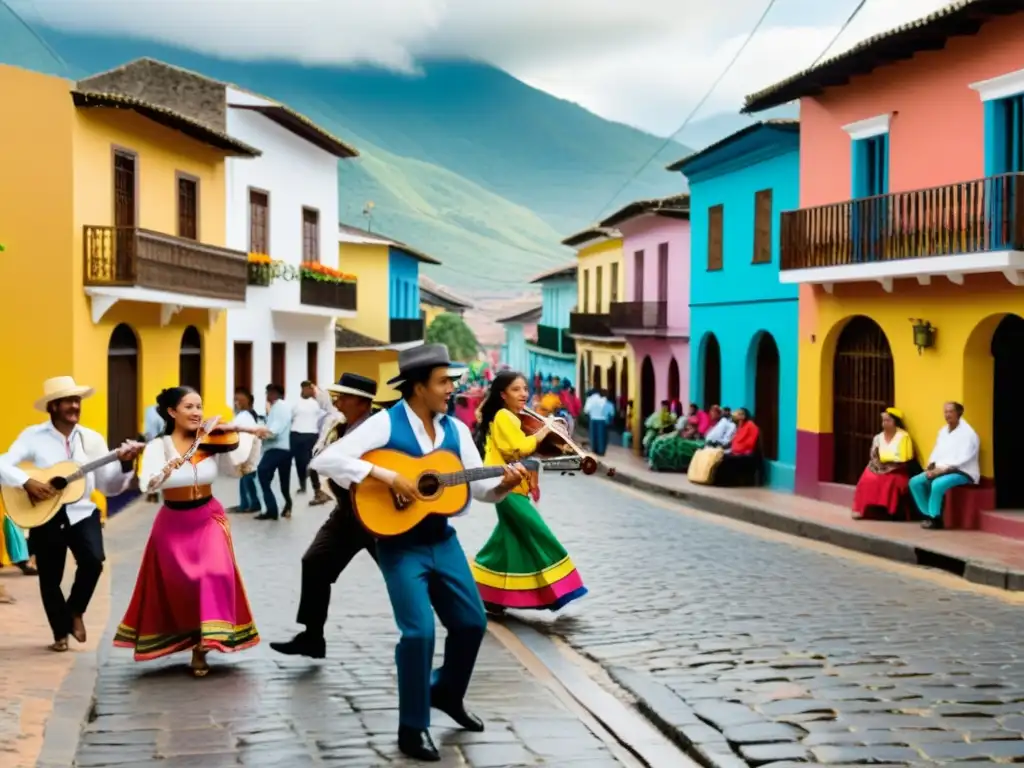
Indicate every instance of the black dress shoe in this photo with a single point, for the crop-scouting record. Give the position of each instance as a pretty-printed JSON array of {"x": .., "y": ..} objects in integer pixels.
[
  {"x": 265, "y": 516},
  {"x": 456, "y": 710},
  {"x": 417, "y": 744},
  {"x": 303, "y": 644}
]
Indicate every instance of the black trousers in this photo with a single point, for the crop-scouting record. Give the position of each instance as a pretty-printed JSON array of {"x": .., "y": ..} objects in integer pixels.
[
  {"x": 280, "y": 461},
  {"x": 302, "y": 450},
  {"x": 339, "y": 539},
  {"x": 50, "y": 544}
]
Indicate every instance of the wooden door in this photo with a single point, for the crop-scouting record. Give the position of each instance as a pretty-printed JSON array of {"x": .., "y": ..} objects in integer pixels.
[
  {"x": 1007, "y": 416},
  {"x": 278, "y": 350},
  {"x": 312, "y": 356},
  {"x": 190, "y": 360},
  {"x": 638, "y": 276},
  {"x": 766, "y": 395},
  {"x": 713, "y": 374},
  {"x": 597, "y": 377},
  {"x": 243, "y": 365},
  {"x": 862, "y": 387},
  {"x": 122, "y": 385},
  {"x": 125, "y": 214},
  {"x": 648, "y": 388},
  {"x": 663, "y": 272},
  {"x": 673, "y": 381},
  {"x": 613, "y": 386}
]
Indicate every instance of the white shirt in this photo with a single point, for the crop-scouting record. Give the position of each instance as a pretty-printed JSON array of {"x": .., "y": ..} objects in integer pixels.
[
  {"x": 596, "y": 408},
  {"x": 306, "y": 415},
  {"x": 234, "y": 464},
  {"x": 722, "y": 433},
  {"x": 44, "y": 446},
  {"x": 341, "y": 460},
  {"x": 245, "y": 419},
  {"x": 958, "y": 449}
]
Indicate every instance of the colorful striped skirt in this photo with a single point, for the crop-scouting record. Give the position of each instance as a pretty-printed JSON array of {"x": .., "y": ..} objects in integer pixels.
[
  {"x": 189, "y": 591},
  {"x": 523, "y": 565}
]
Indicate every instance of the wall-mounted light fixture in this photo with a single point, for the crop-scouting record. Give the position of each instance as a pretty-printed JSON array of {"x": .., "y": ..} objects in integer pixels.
[{"x": 924, "y": 334}]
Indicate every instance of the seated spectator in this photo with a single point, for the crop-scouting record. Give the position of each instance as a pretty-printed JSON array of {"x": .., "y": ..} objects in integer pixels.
[
  {"x": 954, "y": 461},
  {"x": 673, "y": 453},
  {"x": 695, "y": 424},
  {"x": 658, "y": 423},
  {"x": 885, "y": 481},
  {"x": 741, "y": 464},
  {"x": 721, "y": 433}
]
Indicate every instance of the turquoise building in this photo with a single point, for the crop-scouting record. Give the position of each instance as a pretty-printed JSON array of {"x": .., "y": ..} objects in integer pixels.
[
  {"x": 743, "y": 321},
  {"x": 540, "y": 342},
  {"x": 518, "y": 328}
]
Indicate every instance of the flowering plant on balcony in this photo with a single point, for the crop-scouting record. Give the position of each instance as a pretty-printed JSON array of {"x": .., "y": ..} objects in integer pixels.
[
  {"x": 261, "y": 269},
  {"x": 314, "y": 270}
]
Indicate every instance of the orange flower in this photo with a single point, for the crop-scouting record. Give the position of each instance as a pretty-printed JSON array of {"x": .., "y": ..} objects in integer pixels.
[{"x": 259, "y": 258}]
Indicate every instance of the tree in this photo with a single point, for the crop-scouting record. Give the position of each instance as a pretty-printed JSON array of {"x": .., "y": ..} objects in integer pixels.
[{"x": 451, "y": 330}]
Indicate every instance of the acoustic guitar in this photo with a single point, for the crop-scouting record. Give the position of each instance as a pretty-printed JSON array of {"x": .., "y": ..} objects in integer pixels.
[
  {"x": 441, "y": 479},
  {"x": 67, "y": 478}
]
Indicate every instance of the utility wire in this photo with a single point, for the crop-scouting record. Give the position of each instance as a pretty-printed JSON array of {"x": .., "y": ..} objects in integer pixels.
[
  {"x": 39, "y": 38},
  {"x": 694, "y": 111},
  {"x": 839, "y": 34}
]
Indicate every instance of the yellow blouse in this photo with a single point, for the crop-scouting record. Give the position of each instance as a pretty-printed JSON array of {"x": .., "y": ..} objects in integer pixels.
[
  {"x": 899, "y": 450},
  {"x": 506, "y": 442}
]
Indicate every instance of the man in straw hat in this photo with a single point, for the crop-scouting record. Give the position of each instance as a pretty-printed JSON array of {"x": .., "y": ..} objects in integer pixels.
[
  {"x": 426, "y": 567},
  {"x": 340, "y": 538},
  {"x": 76, "y": 526}
]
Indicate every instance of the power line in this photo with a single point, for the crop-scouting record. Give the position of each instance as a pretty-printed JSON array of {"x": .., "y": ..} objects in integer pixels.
[
  {"x": 694, "y": 111},
  {"x": 39, "y": 38},
  {"x": 839, "y": 34}
]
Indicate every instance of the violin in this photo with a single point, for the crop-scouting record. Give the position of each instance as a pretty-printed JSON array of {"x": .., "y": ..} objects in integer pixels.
[
  {"x": 216, "y": 441},
  {"x": 558, "y": 442}
]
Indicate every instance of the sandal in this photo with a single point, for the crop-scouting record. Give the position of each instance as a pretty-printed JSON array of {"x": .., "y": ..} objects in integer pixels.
[
  {"x": 27, "y": 568},
  {"x": 199, "y": 666},
  {"x": 59, "y": 646}
]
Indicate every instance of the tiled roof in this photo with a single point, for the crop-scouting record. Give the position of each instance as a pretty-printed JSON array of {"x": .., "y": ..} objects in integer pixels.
[
  {"x": 530, "y": 315},
  {"x": 566, "y": 270},
  {"x": 780, "y": 123},
  {"x": 928, "y": 33},
  {"x": 347, "y": 339},
  {"x": 591, "y": 233},
  {"x": 166, "y": 117},
  {"x": 675, "y": 206},
  {"x": 349, "y": 234},
  {"x": 443, "y": 294}
]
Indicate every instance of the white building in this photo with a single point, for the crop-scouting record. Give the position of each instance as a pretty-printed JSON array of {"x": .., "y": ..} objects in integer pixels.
[{"x": 282, "y": 205}]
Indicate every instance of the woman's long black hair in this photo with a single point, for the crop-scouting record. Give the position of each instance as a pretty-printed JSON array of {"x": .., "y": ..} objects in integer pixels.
[
  {"x": 492, "y": 404},
  {"x": 170, "y": 398}
]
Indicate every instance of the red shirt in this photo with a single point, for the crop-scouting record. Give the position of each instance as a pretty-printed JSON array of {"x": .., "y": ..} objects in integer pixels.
[{"x": 745, "y": 440}]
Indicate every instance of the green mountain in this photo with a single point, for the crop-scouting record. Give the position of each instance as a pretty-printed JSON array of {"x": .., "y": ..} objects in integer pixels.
[{"x": 460, "y": 160}]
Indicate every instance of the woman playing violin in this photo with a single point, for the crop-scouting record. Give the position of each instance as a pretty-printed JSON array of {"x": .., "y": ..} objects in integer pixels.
[
  {"x": 522, "y": 565},
  {"x": 189, "y": 593}
]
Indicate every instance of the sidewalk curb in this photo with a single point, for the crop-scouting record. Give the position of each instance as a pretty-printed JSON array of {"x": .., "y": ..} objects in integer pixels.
[{"x": 975, "y": 571}]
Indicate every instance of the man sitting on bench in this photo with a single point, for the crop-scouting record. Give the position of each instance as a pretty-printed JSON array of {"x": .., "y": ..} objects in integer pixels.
[
  {"x": 741, "y": 464},
  {"x": 954, "y": 461}
]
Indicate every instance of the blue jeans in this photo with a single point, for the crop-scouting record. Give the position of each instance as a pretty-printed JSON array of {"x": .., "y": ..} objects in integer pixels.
[
  {"x": 598, "y": 436},
  {"x": 247, "y": 494},
  {"x": 929, "y": 494},
  {"x": 421, "y": 579}
]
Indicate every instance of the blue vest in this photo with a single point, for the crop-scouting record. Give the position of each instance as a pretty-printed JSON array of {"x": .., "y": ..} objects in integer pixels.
[{"x": 434, "y": 528}]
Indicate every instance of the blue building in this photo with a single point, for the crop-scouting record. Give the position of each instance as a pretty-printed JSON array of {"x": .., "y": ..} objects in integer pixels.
[
  {"x": 518, "y": 328},
  {"x": 550, "y": 350},
  {"x": 743, "y": 321}
]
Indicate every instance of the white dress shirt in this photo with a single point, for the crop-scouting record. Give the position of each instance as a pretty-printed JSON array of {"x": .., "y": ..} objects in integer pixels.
[
  {"x": 341, "y": 461},
  {"x": 44, "y": 446},
  {"x": 306, "y": 415},
  {"x": 159, "y": 452},
  {"x": 958, "y": 449},
  {"x": 596, "y": 408},
  {"x": 722, "y": 433}
]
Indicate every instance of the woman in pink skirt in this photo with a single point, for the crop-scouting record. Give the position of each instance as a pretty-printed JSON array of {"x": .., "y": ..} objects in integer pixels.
[{"x": 189, "y": 593}]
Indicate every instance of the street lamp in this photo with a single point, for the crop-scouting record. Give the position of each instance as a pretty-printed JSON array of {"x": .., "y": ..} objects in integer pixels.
[{"x": 924, "y": 334}]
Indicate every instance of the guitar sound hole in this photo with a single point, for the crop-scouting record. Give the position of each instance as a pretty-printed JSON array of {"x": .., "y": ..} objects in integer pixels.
[
  {"x": 429, "y": 485},
  {"x": 59, "y": 483}
]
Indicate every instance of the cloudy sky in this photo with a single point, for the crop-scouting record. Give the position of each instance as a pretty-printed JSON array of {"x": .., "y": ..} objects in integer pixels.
[{"x": 641, "y": 62}]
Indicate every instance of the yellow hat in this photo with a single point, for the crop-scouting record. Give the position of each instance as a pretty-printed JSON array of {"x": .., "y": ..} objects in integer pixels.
[{"x": 895, "y": 412}]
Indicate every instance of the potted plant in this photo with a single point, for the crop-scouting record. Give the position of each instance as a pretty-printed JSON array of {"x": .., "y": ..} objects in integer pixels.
[{"x": 261, "y": 269}]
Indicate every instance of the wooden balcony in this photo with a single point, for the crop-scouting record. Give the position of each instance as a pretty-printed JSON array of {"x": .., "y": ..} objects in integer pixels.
[
  {"x": 322, "y": 293},
  {"x": 129, "y": 256},
  {"x": 555, "y": 339},
  {"x": 639, "y": 315},
  {"x": 588, "y": 324},
  {"x": 885, "y": 235},
  {"x": 403, "y": 330}
]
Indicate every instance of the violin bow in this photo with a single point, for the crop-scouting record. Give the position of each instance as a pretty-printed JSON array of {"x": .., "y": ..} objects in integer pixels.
[{"x": 204, "y": 429}]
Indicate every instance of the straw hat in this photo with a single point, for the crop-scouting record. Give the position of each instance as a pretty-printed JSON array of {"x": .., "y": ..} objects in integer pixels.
[{"x": 60, "y": 387}]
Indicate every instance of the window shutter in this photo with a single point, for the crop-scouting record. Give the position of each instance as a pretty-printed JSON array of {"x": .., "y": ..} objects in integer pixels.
[
  {"x": 715, "y": 236},
  {"x": 763, "y": 227}
]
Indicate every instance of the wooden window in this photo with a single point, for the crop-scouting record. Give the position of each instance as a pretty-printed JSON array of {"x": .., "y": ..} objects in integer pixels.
[
  {"x": 277, "y": 363},
  {"x": 243, "y": 365},
  {"x": 188, "y": 207},
  {"x": 615, "y": 281},
  {"x": 763, "y": 227},
  {"x": 715, "y": 237},
  {"x": 663, "y": 272},
  {"x": 259, "y": 222},
  {"x": 312, "y": 354},
  {"x": 310, "y": 234},
  {"x": 598, "y": 289},
  {"x": 638, "y": 276},
  {"x": 586, "y": 291}
]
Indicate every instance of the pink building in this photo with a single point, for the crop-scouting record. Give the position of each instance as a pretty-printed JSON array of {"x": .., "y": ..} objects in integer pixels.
[{"x": 655, "y": 317}]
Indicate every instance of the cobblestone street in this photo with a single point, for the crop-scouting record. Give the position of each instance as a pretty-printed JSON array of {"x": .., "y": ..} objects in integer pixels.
[
  {"x": 793, "y": 653},
  {"x": 257, "y": 708}
]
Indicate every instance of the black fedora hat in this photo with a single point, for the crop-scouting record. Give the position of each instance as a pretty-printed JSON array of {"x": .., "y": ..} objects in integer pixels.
[
  {"x": 425, "y": 356},
  {"x": 354, "y": 384}
]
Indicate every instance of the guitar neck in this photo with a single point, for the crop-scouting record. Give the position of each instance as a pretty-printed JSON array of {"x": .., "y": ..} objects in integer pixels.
[
  {"x": 92, "y": 466},
  {"x": 482, "y": 473}
]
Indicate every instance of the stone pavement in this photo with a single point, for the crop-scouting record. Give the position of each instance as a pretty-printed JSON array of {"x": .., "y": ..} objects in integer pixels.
[
  {"x": 30, "y": 675},
  {"x": 764, "y": 649},
  {"x": 257, "y": 708}
]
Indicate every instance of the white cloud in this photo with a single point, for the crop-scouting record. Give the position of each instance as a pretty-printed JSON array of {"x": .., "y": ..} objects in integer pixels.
[{"x": 643, "y": 62}]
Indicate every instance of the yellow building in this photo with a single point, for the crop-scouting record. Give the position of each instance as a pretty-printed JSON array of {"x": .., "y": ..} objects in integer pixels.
[
  {"x": 437, "y": 300},
  {"x": 602, "y": 358},
  {"x": 388, "y": 315},
  {"x": 113, "y": 216}
]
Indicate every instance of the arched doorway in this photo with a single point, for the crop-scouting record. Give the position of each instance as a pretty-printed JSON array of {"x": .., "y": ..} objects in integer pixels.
[
  {"x": 648, "y": 386},
  {"x": 597, "y": 377},
  {"x": 190, "y": 360},
  {"x": 673, "y": 382},
  {"x": 613, "y": 393},
  {"x": 581, "y": 384},
  {"x": 122, "y": 385},
  {"x": 624, "y": 381},
  {"x": 863, "y": 383},
  {"x": 713, "y": 373},
  {"x": 766, "y": 394},
  {"x": 1008, "y": 417}
]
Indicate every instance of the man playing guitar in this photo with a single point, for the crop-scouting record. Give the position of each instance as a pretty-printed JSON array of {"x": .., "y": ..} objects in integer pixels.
[
  {"x": 76, "y": 526},
  {"x": 429, "y": 554}
]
